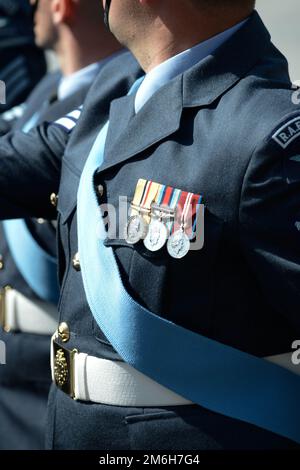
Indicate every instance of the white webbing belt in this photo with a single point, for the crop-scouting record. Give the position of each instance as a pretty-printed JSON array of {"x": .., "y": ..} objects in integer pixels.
[
  {"x": 117, "y": 383},
  {"x": 25, "y": 315}
]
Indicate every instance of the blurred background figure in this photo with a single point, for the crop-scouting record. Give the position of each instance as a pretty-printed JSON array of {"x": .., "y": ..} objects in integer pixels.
[
  {"x": 74, "y": 30},
  {"x": 22, "y": 63}
]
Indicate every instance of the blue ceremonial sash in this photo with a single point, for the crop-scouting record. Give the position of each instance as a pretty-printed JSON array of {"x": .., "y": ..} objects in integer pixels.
[
  {"x": 37, "y": 267},
  {"x": 213, "y": 375},
  {"x": 31, "y": 123}
]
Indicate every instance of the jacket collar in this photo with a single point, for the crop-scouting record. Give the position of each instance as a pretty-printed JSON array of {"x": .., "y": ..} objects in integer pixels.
[{"x": 200, "y": 86}]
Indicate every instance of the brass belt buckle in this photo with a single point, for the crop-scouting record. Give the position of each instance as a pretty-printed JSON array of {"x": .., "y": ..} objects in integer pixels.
[
  {"x": 3, "y": 319},
  {"x": 64, "y": 368}
]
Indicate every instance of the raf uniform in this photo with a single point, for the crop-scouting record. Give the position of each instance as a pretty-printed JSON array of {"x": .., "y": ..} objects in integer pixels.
[
  {"x": 22, "y": 63},
  {"x": 212, "y": 130},
  {"x": 25, "y": 380},
  {"x": 44, "y": 94}
]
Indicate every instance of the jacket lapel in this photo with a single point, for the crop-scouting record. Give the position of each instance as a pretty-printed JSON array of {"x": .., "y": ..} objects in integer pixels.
[
  {"x": 130, "y": 133},
  {"x": 60, "y": 108}
]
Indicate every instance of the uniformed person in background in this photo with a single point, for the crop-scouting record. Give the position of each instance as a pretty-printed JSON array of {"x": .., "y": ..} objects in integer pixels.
[
  {"x": 140, "y": 358},
  {"x": 22, "y": 62},
  {"x": 75, "y": 31}
]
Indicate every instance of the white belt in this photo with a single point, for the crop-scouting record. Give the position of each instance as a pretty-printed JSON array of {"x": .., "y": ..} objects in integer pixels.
[
  {"x": 18, "y": 313},
  {"x": 97, "y": 380}
]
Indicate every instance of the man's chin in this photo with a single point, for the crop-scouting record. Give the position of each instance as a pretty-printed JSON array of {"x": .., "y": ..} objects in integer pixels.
[
  {"x": 43, "y": 43},
  {"x": 39, "y": 43}
]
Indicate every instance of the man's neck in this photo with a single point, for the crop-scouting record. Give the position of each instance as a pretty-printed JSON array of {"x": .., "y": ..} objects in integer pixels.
[
  {"x": 73, "y": 58},
  {"x": 167, "y": 44}
]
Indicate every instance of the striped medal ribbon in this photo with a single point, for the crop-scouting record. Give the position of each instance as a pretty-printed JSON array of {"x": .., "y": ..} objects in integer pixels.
[
  {"x": 184, "y": 227},
  {"x": 137, "y": 226},
  {"x": 179, "y": 243},
  {"x": 161, "y": 212}
]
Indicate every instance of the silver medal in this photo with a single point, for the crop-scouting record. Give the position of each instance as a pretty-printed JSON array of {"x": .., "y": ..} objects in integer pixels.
[
  {"x": 157, "y": 235},
  {"x": 178, "y": 244},
  {"x": 136, "y": 229}
]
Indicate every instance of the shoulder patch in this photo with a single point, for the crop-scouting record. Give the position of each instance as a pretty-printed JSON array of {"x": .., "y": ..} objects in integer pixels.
[{"x": 287, "y": 133}]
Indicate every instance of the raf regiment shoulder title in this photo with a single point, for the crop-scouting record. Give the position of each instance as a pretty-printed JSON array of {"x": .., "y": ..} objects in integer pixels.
[
  {"x": 288, "y": 133},
  {"x": 162, "y": 215}
]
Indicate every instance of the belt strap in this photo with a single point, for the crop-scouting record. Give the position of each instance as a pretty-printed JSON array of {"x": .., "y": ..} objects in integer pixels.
[
  {"x": 18, "y": 313},
  {"x": 37, "y": 267},
  {"x": 213, "y": 375},
  {"x": 89, "y": 378},
  {"x": 97, "y": 380}
]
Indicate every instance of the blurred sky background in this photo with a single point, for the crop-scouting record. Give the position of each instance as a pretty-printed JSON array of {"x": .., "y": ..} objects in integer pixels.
[{"x": 283, "y": 20}]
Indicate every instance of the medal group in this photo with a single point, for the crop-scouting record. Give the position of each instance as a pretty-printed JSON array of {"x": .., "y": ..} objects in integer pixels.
[{"x": 161, "y": 214}]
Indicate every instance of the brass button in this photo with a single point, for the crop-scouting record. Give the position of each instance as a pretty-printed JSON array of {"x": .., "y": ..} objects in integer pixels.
[
  {"x": 100, "y": 190},
  {"x": 1, "y": 263},
  {"x": 76, "y": 262},
  {"x": 64, "y": 332},
  {"x": 54, "y": 199}
]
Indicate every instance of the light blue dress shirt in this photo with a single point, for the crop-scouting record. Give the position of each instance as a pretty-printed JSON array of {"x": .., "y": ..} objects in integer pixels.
[
  {"x": 70, "y": 84},
  {"x": 179, "y": 63}
]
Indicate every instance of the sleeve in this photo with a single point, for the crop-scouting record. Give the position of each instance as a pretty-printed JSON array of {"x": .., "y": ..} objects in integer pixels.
[
  {"x": 269, "y": 217},
  {"x": 10, "y": 118},
  {"x": 30, "y": 171},
  {"x": 6, "y": 126}
]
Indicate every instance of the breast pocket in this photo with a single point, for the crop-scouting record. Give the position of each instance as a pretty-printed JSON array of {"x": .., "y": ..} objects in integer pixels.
[{"x": 180, "y": 290}]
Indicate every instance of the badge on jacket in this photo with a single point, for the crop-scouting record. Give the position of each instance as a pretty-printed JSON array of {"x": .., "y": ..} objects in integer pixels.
[{"x": 161, "y": 215}]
